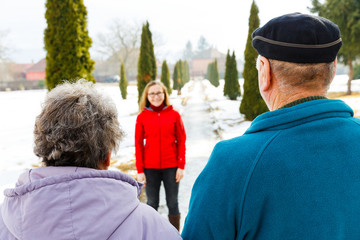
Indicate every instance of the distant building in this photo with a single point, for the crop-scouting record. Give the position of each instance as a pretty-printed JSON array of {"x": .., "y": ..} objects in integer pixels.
[
  {"x": 18, "y": 70},
  {"x": 199, "y": 63},
  {"x": 201, "y": 60},
  {"x": 36, "y": 72},
  {"x": 13, "y": 72},
  {"x": 14, "y": 76}
]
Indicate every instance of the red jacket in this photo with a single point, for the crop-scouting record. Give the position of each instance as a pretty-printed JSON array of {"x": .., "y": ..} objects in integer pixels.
[{"x": 164, "y": 135}]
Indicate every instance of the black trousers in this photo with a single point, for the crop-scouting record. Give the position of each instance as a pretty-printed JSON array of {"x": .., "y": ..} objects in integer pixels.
[{"x": 153, "y": 182}]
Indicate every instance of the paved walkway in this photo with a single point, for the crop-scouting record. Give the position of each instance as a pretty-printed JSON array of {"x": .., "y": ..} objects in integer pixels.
[{"x": 200, "y": 142}]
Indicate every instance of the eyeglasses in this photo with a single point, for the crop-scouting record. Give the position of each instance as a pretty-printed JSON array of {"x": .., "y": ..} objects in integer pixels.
[{"x": 153, "y": 94}]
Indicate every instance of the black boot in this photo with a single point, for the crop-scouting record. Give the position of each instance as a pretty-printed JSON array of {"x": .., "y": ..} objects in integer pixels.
[{"x": 175, "y": 221}]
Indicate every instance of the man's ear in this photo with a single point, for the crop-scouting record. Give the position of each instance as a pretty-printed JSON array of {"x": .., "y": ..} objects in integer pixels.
[{"x": 264, "y": 74}]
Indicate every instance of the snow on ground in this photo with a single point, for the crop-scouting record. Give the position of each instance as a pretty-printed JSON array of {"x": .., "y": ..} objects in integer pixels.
[
  {"x": 19, "y": 109},
  {"x": 340, "y": 85},
  {"x": 229, "y": 123},
  {"x": 227, "y": 120}
]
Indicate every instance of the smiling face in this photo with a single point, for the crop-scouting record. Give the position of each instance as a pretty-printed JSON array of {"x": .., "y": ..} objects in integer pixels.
[{"x": 156, "y": 95}]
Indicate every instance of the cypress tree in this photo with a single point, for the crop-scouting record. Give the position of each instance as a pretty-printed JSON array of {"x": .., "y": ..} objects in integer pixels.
[
  {"x": 231, "y": 78},
  {"x": 209, "y": 72},
  {"x": 181, "y": 76},
  {"x": 212, "y": 73},
  {"x": 147, "y": 63},
  {"x": 165, "y": 76},
  {"x": 182, "y": 73},
  {"x": 252, "y": 104},
  {"x": 227, "y": 73},
  {"x": 67, "y": 42},
  {"x": 215, "y": 74},
  {"x": 235, "y": 77},
  {"x": 186, "y": 71},
  {"x": 178, "y": 76},
  {"x": 151, "y": 52},
  {"x": 123, "y": 82}
]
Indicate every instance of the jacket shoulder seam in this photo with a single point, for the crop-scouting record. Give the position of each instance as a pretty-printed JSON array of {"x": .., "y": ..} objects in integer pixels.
[
  {"x": 250, "y": 173},
  {"x": 131, "y": 212},
  {"x": 356, "y": 121}
]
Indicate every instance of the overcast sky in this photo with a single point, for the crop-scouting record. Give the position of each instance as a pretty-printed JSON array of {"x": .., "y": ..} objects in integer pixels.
[{"x": 224, "y": 23}]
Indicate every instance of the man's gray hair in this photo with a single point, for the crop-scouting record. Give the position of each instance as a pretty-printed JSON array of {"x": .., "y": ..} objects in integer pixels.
[
  {"x": 302, "y": 75},
  {"x": 77, "y": 126}
]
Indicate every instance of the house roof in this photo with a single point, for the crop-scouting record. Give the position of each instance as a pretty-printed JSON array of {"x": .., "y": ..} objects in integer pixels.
[
  {"x": 20, "y": 68},
  {"x": 38, "y": 67},
  {"x": 209, "y": 53}
]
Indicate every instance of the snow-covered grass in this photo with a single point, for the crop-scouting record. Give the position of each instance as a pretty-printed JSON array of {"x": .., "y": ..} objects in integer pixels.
[
  {"x": 229, "y": 123},
  {"x": 19, "y": 109},
  {"x": 338, "y": 89},
  {"x": 225, "y": 115}
]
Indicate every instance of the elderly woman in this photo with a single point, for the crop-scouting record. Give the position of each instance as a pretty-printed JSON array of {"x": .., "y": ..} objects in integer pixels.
[{"x": 74, "y": 196}]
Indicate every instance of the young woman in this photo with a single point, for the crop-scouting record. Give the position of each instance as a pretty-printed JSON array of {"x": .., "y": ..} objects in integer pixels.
[{"x": 160, "y": 148}]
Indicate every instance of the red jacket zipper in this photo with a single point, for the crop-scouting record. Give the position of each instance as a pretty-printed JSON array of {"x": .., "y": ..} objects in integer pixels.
[{"x": 159, "y": 140}]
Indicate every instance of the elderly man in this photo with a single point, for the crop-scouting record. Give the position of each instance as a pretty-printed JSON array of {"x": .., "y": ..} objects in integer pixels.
[{"x": 295, "y": 173}]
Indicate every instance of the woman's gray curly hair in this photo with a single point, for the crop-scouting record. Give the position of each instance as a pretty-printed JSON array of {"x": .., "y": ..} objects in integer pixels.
[{"x": 77, "y": 126}]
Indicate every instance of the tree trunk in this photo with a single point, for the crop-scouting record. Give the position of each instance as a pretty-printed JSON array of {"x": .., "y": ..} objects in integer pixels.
[{"x": 351, "y": 75}]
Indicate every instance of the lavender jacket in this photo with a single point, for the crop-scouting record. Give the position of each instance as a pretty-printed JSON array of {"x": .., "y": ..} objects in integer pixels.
[{"x": 79, "y": 203}]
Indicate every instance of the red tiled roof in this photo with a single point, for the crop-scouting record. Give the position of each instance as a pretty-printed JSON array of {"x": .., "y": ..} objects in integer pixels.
[
  {"x": 38, "y": 67},
  {"x": 210, "y": 53},
  {"x": 19, "y": 68}
]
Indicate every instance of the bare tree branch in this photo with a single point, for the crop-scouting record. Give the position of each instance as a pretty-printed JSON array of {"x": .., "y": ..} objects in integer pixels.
[
  {"x": 4, "y": 47},
  {"x": 120, "y": 43}
]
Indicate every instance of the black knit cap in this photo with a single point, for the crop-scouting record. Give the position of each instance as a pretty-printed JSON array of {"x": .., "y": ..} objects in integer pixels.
[{"x": 298, "y": 38}]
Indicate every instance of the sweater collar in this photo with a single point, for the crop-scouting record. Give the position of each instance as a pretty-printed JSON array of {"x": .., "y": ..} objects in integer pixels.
[
  {"x": 302, "y": 100},
  {"x": 158, "y": 108}
]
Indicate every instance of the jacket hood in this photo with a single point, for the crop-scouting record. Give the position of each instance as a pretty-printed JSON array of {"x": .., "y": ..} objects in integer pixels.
[
  {"x": 69, "y": 203},
  {"x": 301, "y": 113}
]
